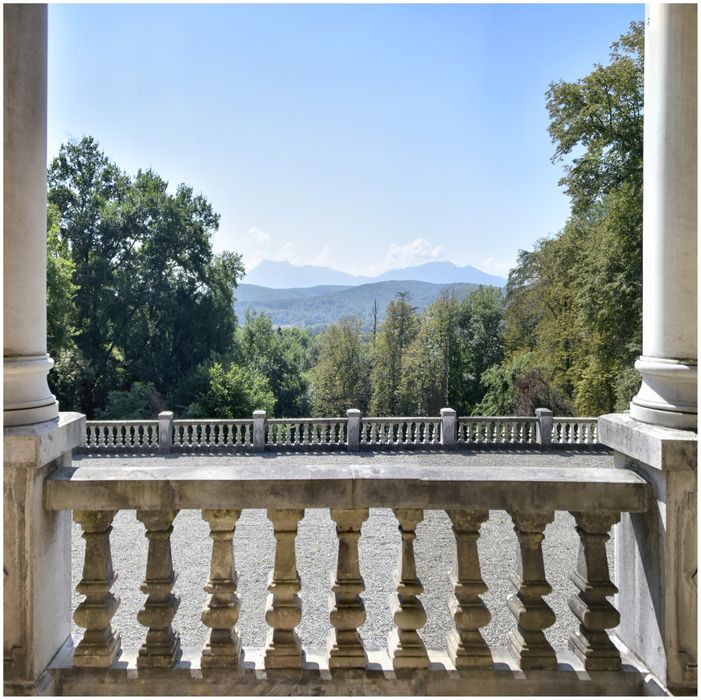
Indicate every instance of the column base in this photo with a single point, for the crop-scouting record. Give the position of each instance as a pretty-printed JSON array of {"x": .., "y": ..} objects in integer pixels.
[
  {"x": 27, "y": 399},
  {"x": 667, "y": 396}
]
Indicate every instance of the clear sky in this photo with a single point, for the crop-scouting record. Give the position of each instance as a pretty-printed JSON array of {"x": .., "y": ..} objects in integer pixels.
[{"x": 359, "y": 137}]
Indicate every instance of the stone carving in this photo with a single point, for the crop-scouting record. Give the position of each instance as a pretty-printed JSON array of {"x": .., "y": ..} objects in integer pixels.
[
  {"x": 596, "y": 614},
  {"x": 533, "y": 614},
  {"x": 465, "y": 643},
  {"x": 99, "y": 646},
  {"x": 284, "y": 611},
  {"x": 347, "y": 608},
  {"x": 406, "y": 647},
  {"x": 223, "y": 647},
  {"x": 161, "y": 648}
]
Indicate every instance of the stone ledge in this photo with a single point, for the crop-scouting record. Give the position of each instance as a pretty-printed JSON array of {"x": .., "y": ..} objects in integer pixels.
[
  {"x": 315, "y": 678},
  {"x": 33, "y": 446},
  {"x": 665, "y": 449},
  {"x": 318, "y": 485}
]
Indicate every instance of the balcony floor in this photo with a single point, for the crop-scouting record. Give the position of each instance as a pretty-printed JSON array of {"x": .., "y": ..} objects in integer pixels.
[{"x": 316, "y": 551}]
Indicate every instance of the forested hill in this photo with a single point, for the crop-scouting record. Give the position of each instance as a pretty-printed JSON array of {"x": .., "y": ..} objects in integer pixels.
[{"x": 314, "y": 308}]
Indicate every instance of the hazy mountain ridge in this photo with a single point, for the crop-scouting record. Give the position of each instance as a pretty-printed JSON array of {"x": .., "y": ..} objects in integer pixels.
[
  {"x": 316, "y": 307},
  {"x": 283, "y": 275}
]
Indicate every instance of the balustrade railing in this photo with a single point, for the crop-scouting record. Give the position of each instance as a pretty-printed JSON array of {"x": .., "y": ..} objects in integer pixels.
[
  {"x": 305, "y": 432},
  {"x": 506, "y": 430},
  {"x": 574, "y": 431},
  {"x": 194, "y": 435},
  {"x": 531, "y": 496},
  {"x": 352, "y": 432},
  {"x": 122, "y": 436},
  {"x": 400, "y": 431}
]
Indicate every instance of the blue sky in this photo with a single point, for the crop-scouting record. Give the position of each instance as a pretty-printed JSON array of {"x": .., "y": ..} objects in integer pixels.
[{"x": 359, "y": 137}]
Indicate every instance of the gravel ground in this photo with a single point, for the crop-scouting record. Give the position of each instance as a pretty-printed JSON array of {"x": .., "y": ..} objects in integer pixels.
[{"x": 316, "y": 555}]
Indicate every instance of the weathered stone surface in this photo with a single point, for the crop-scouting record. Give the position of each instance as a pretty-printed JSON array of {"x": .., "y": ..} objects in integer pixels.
[
  {"x": 406, "y": 648},
  {"x": 223, "y": 647},
  {"x": 595, "y": 613},
  {"x": 161, "y": 648},
  {"x": 656, "y": 550},
  {"x": 347, "y": 608},
  {"x": 315, "y": 678},
  {"x": 284, "y": 613},
  {"x": 532, "y": 613},
  {"x": 99, "y": 646},
  {"x": 281, "y": 485},
  {"x": 36, "y": 549},
  {"x": 466, "y": 645}
]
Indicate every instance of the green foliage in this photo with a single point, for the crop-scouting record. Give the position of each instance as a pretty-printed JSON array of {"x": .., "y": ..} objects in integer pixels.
[
  {"x": 280, "y": 355},
  {"x": 139, "y": 401},
  {"x": 232, "y": 391},
  {"x": 389, "y": 353},
  {"x": 341, "y": 378},
  {"x": 150, "y": 299},
  {"x": 517, "y": 387},
  {"x": 576, "y": 298}
]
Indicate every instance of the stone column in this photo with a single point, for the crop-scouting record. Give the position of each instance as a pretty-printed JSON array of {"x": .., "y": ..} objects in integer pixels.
[
  {"x": 26, "y": 364},
  {"x": 667, "y": 396},
  {"x": 353, "y": 429}
]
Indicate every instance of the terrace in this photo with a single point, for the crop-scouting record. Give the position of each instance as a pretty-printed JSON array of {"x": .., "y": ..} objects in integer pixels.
[{"x": 254, "y": 485}]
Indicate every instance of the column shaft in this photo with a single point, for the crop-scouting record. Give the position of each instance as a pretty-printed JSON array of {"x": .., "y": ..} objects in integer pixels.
[
  {"x": 27, "y": 396},
  {"x": 668, "y": 366}
]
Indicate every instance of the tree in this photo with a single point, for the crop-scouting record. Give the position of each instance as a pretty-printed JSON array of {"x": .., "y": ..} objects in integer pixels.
[
  {"x": 232, "y": 392},
  {"x": 341, "y": 378},
  {"x": 576, "y": 298},
  {"x": 152, "y": 301},
  {"x": 396, "y": 333},
  {"x": 280, "y": 356}
]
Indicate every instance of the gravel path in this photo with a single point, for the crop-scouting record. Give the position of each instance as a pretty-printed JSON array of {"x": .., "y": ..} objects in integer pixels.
[{"x": 316, "y": 553}]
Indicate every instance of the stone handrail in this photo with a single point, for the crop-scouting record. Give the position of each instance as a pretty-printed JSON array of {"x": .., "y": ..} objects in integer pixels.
[
  {"x": 416, "y": 430},
  {"x": 122, "y": 436},
  {"x": 574, "y": 431},
  {"x": 501, "y": 430},
  {"x": 595, "y": 497},
  {"x": 351, "y": 432},
  {"x": 305, "y": 432},
  {"x": 211, "y": 433}
]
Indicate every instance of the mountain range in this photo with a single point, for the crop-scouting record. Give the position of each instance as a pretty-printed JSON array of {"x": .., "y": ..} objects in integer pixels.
[
  {"x": 314, "y": 308},
  {"x": 284, "y": 275}
]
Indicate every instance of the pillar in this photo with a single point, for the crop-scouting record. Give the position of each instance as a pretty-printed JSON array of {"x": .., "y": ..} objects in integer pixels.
[
  {"x": 26, "y": 364},
  {"x": 668, "y": 364}
]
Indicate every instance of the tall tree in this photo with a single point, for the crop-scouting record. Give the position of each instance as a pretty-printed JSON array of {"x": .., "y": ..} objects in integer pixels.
[
  {"x": 576, "y": 298},
  {"x": 152, "y": 300},
  {"x": 341, "y": 378},
  {"x": 389, "y": 349}
]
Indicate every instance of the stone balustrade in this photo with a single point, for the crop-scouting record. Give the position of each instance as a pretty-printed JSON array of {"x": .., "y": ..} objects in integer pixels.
[
  {"x": 574, "y": 431},
  {"x": 305, "y": 432},
  {"x": 593, "y": 664},
  {"x": 352, "y": 432},
  {"x": 387, "y": 432},
  {"x": 121, "y": 436},
  {"x": 502, "y": 430}
]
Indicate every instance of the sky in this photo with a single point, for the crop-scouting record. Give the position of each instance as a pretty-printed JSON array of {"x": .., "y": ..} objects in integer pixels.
[{"x": 358, "y": 137}]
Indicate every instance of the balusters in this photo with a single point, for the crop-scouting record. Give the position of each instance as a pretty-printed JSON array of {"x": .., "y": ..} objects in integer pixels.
[
  {"x": 406, "y": 647},
  {"x": 465, "y": 643},
  {"x": 223, "y": 646},
  {"x": 161, "y": 648},
  {"x": 99, "y": 646},
  {"x": 347, "y": 609},
  {"x": 284, "y": 607},
  {"x": 596, "y": 614},
  {"x": 532, "y": 613}
]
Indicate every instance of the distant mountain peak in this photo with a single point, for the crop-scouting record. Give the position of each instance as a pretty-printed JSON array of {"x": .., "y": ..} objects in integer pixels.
[{"x": 280, "y": 274}]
